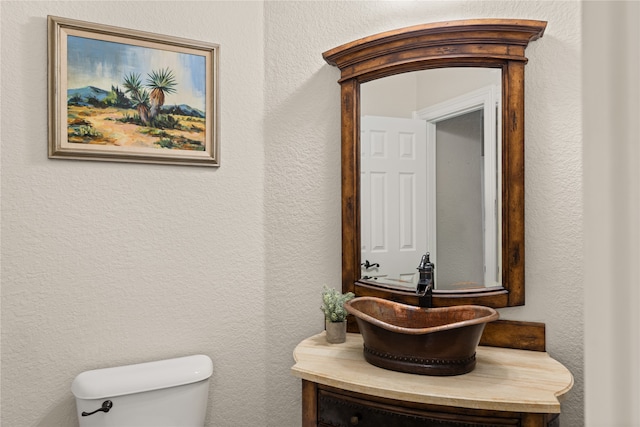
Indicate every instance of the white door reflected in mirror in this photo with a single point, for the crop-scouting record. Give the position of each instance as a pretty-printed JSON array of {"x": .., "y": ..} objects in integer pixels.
[{"x": 394, "y": 206}]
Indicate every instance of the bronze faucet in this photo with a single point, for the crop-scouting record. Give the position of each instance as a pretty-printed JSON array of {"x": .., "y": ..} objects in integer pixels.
[{"x": 425, "y": 282}]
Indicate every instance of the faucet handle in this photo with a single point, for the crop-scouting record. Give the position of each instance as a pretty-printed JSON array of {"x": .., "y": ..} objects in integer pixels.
[
  {"x": 425, "y": 262},
  {"x": 367, "y": 265}
]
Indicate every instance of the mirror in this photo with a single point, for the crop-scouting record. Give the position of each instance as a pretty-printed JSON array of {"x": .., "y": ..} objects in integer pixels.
[
  {"x": 480, "y": 43},
  {"x": 429, "y": 177}
]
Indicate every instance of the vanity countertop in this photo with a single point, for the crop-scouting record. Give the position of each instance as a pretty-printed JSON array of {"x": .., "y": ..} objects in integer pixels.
[{"x": 504, "y": 379}]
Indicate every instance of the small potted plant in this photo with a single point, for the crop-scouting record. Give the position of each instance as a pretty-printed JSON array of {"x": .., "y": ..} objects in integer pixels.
[{"x": 335, "y": 315}]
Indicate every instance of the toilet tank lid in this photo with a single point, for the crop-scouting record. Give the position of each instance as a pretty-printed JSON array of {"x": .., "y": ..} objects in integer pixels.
[{"x": 141, "y": 377}]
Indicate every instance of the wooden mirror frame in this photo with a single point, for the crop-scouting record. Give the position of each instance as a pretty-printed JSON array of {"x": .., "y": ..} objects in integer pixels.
[{"x": 486, "y": 43}]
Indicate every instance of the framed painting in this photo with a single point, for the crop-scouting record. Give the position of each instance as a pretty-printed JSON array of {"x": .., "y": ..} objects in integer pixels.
[{"x": 131, "y": 96}]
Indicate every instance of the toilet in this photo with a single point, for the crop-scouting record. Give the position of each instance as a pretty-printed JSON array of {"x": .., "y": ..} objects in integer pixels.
[{"x": 163, "y": 393}]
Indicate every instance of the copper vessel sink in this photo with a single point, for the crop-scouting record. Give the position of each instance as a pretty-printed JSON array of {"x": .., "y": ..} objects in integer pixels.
[{"x": 427, "y": 341}]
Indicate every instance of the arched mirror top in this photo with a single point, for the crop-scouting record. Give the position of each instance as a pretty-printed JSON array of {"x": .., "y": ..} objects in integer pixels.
[
  {"x": 476, "y": 42},
  {"x": 479, "y": 43}
]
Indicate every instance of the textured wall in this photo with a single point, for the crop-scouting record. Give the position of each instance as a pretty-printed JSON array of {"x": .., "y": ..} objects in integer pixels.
[
  {"x": 105, "y": 264},
  {"x": 303, "y": 177}
]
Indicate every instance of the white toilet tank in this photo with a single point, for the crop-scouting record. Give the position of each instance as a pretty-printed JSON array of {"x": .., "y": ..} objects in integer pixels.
[{"x": 164, "y": 393}]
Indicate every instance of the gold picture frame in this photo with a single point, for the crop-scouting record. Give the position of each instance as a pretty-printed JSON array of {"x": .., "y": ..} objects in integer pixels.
[{"x": 130, "y": 96}]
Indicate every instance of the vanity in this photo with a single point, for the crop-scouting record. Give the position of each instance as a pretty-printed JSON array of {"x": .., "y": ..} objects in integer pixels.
[
  {"x": 508, "y": 387},
  {"x": 393, "y": 212}
]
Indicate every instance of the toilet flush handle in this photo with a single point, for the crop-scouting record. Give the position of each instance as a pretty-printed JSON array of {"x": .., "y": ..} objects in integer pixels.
[{"x": 106, "y": 407}]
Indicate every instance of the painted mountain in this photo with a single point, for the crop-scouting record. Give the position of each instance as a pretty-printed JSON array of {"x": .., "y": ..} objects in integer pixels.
[{"x": 84, "y": 95}]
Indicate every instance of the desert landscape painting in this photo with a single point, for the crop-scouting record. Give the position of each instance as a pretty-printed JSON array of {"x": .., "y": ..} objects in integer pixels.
[{"x": 132, "y": 96}]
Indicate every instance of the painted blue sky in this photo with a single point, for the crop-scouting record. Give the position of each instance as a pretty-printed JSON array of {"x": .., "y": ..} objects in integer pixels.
[{"x": 103, "y": 64}]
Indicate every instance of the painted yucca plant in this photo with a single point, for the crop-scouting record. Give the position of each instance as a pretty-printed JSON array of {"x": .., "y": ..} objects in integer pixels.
[
  {"x": 141, "y": 104},
  {"x": 132, "y": 84},
  {"x": 161, "y": 83},
  {"x": 139, "y": 97}
]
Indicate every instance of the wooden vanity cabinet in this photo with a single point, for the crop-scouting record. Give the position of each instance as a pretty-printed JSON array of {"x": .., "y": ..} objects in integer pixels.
[
  {"x": 508, "y": 387},
  {"x": 325, "y": 406}
]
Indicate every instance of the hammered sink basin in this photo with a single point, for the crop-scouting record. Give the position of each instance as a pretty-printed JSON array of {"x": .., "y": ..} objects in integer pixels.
[{"x": 427, "y": 341}]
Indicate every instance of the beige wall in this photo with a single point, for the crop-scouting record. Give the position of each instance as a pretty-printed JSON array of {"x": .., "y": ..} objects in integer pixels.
[
  {"x": 393, "y": 96},
  {"x": 104, "y": 264}
]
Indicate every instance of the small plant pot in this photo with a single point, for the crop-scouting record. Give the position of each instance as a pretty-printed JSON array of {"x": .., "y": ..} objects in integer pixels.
[{"x": 336, "y": 332}]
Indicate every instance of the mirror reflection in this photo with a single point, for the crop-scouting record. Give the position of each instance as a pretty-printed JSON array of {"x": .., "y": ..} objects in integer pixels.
[{"x": 430, "y": 177}]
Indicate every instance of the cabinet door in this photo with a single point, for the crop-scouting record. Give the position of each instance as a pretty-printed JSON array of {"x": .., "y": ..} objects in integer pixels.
[{"x": 337, "y": 410}]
